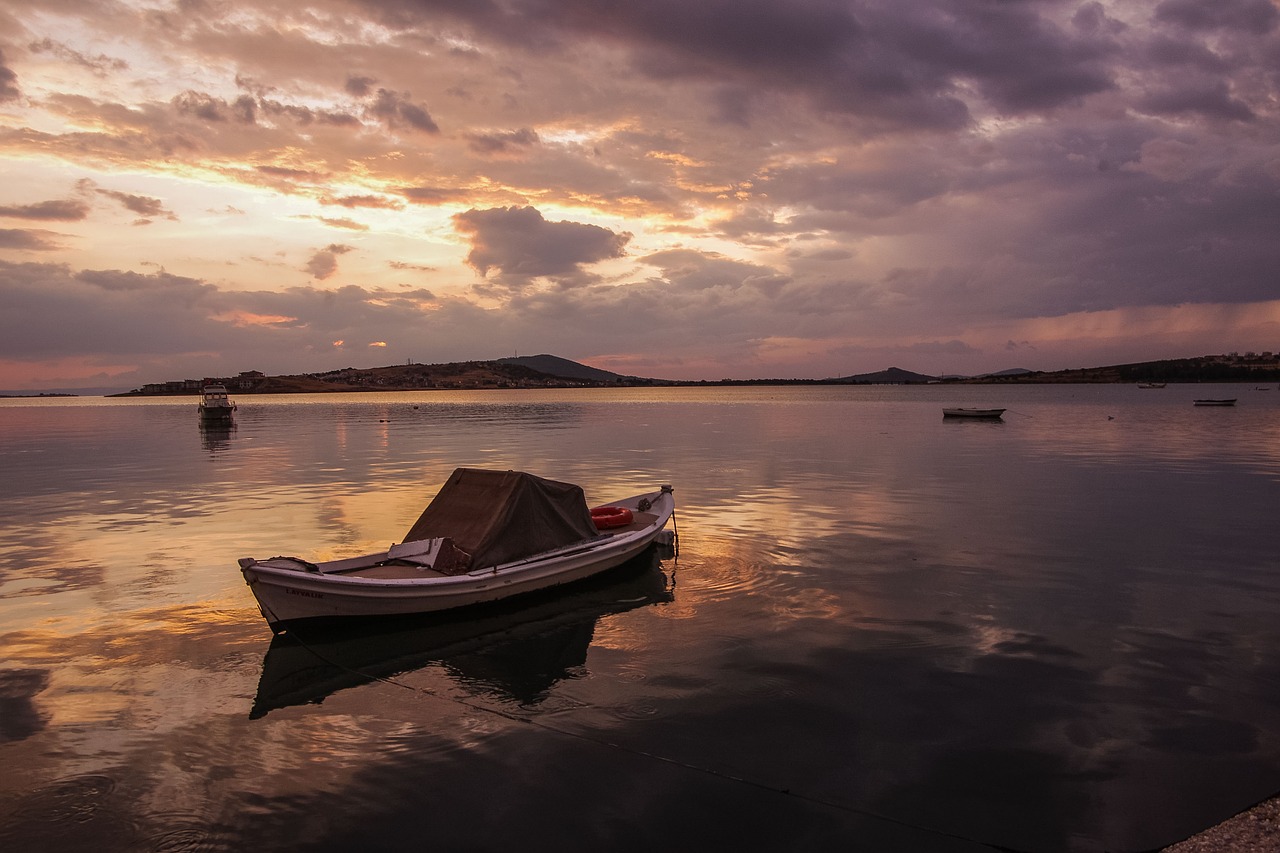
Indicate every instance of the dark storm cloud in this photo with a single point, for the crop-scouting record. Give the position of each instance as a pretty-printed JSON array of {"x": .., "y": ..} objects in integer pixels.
[
  {"x": 521, "y": 245},
  {"x": 1210, "y": 99},
  {"x": 62, "y": 210},
  {"x": 1019, "y": 59},
  {"x": 51, "y": 311},
  {"x": 899, "y": 64},
  {"x": 396, "y": 110},
  {"x": 1251, "y": 16},
  {"x": 247, "y": 109}
]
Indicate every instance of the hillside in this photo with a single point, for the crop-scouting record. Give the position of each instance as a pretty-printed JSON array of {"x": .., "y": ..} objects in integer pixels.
[
  {"x": 471, "y": 375},
  {"x": 889, "y": 376},
  {"x": 549, "y": 371},
  {"x": 1233, "y": 367},
  {"x": 554, "y": 365}
]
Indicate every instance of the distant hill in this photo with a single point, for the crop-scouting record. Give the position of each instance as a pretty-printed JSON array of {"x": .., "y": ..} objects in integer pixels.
[
  {"x": 549, "y": 371},
  {"x": 554, "y": 365},
  {"x": 1232, "y": 367},
  {"x": 540, "y": 371},
  {"x": 890, "y": 376}
]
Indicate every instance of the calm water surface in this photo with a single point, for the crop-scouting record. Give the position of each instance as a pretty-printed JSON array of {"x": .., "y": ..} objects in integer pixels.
[{"x": 883, "y": 631}]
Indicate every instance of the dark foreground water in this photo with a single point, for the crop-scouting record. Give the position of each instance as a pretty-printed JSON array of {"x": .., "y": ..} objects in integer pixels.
[{"x": 883, "y": 631}]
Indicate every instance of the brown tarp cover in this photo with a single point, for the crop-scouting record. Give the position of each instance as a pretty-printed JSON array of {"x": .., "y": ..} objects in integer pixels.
[{"x": 500, "y": 516}]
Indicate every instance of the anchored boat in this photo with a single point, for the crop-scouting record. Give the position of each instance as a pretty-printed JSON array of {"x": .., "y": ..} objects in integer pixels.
[
  {"x": 486, "y": 536},
  {"x": 987, "y": 414},
  {"x": 215, "y": 406}
]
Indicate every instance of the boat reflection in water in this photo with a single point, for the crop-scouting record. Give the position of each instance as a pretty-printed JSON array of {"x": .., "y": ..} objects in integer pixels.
[
  {"x": 216, "y": 437},
  {"x": 519, "y": 648}
]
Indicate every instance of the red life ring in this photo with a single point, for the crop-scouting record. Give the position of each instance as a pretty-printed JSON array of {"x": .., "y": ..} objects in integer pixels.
[{"x": 607, "y": 517}]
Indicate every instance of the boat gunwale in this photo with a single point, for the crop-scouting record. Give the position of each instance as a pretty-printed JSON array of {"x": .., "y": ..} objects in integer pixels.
[{"x": 605, "y": 544}]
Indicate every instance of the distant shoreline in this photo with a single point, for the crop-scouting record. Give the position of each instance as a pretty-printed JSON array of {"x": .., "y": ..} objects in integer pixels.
[
  {"x": 548, "y": 372},
  {"x": 721, "y": 383}
]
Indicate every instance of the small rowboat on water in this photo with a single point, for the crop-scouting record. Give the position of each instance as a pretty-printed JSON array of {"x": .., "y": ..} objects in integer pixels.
[
  {"x": 988, "y": 414},
  {"x": 486, "y": 536},
  {"x": 1230, "y": 402}
]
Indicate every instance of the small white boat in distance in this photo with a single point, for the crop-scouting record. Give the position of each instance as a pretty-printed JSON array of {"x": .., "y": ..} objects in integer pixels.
[
  {"x": 487, "y": 535},
  {"x": 215, "y": 407},
  {"x": 1230, "y": 402},
  {"x": 1151, "y": 384},
  {"x": 988, "y": 414}
]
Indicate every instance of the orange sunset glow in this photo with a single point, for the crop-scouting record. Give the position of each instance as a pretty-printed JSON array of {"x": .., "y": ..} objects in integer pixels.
[{"x": 678, "y": 190}]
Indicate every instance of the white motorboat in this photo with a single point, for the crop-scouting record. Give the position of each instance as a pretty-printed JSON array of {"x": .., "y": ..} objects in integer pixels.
[
  {"x": 215, "y": 406},
  {"x": 486, "y": 536},
  {"x": 988, "y": 414}
]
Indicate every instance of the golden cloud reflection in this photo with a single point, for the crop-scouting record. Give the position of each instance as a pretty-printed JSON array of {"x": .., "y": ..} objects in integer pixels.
[{"x": 171, "y": 688}]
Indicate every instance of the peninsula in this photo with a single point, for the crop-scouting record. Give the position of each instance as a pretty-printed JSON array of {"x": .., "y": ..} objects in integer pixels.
[{"x": 549, "y": 371}]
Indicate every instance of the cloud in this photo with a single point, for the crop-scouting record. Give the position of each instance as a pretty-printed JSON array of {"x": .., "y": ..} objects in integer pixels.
[
  {"x": 501, "y": 142},
  {"x": 434, "y": 195},
  {"x": 1251, "y": 16},
  {"x": 324, "y": 262},
  {"x": 396, "y": 111},
  {"x": 9, "y": 90},
  {"x": 363, "y": 201},
  {"x": 65, "y": 210},
  {"x": 751, "y": 182},
  {"x": 521, "y": 245},
  {"x": 52, "y": 311},
  {"x": 1211, "y": 99},
  {"x": 212, "y": 109},
  {"x": 348, "y": 224},
  {"x": 100, "y": 65},
  {"x": 359, "y": 86},
  {"x": 30, "y": 240},
  {"x": 141, "y": 205}
]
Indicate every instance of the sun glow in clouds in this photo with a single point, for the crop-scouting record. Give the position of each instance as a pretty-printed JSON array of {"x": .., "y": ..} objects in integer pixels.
[{"x": 757, "y": 207}]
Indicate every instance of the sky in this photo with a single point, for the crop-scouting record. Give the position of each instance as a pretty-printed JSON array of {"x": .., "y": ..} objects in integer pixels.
[{"x": 662, "y": 188}]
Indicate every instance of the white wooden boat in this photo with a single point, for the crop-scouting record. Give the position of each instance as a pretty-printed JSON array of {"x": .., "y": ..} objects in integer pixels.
[
  {"x": 1150, "y": 385},
  {"x": 989, "y": 414},
  {"x": 215, "y": 406},
  {"x": 1230, "y": 402},
  {"x": 487, "y": 536},
  {"x": 518, "y": 649}
]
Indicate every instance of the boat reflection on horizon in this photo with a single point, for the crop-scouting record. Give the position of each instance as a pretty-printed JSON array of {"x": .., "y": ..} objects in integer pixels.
[{"x": 519, "y": 648}]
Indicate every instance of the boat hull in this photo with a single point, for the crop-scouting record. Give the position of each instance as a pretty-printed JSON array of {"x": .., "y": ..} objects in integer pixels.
[
  {"x": 287, "y": 596},
  {"x": 1231, "y": 402},
  {"x": 981, "y": 414}
]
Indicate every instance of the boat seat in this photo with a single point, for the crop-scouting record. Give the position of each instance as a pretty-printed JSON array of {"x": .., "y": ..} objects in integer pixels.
[
  {"x": 439, "y": 554},
  {"x": 422, "y": 552}
]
